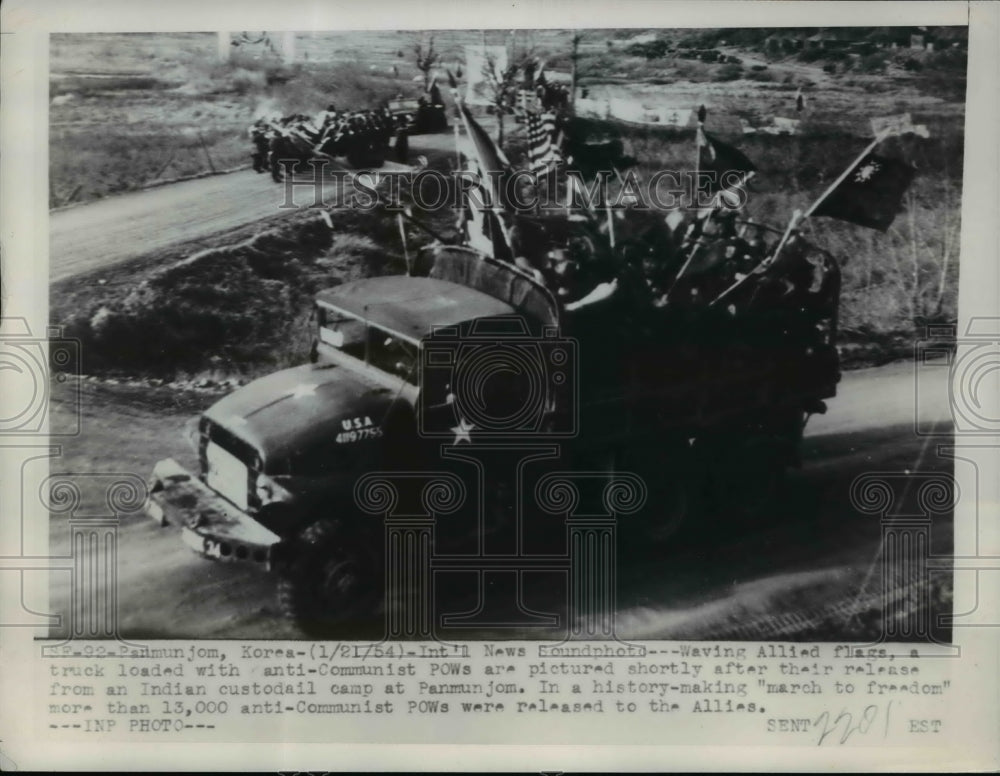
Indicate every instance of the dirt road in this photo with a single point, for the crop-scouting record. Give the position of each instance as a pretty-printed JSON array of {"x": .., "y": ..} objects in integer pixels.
[
  {"x": 115, "y": 229},
  {"x": 816, "y": 552}
]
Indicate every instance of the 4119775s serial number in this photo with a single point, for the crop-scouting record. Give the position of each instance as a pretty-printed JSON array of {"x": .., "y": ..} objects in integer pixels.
[{"x": 359, "y": 435}]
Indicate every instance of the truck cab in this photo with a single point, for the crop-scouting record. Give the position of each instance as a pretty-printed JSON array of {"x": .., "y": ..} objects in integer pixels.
[{"x": 285, "y": 451}]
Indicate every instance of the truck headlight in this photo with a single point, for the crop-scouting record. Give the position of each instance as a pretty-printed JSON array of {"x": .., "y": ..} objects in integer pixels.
[{"x": 269, "y": 491}]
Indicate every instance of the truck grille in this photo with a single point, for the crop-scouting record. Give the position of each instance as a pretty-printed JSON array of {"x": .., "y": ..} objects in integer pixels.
[{"x": 229, "y": 465}]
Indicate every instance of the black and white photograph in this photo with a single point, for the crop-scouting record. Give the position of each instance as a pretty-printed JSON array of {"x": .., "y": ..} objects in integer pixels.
[
  {"x": 510, "y": 366},
  {"x": 588, "y": 331}
]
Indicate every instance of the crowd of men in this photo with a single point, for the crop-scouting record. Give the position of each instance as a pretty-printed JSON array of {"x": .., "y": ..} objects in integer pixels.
[
  {"x": 662, "y": 267},
  {"x": 361, "y": 136}
]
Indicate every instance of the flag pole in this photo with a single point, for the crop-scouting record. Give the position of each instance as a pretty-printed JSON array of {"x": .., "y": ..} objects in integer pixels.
[
  {"x": 699, "y": 134},
  {"x": 840, "y": 179},
  {"x": 611, "y": 224},
  {"x": 798, "y": 215},
  {"x": 406, "y": 251}
]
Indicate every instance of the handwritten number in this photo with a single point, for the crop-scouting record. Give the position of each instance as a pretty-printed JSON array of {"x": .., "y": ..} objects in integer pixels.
[{"x": 844, "y": 722}]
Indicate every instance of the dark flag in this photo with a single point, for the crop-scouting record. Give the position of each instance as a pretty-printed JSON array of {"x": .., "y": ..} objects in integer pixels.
[
  {"x": 721, "y": 158},
  {"x": 871, "y": 194}
]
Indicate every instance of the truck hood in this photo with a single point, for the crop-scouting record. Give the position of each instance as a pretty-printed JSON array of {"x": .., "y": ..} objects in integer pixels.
[{"x": 297, "y": 408}]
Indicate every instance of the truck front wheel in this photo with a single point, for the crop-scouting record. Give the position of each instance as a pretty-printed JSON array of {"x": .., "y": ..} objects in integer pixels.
[{"x": 327, "y": 587}]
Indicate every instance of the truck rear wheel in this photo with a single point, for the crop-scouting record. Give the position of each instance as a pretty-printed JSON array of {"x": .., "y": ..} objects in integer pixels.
[
  {"x": 664, "y": 465},
  {"x": 673, "y": 510},
  {"x": 748, "y": 466},
  {"x": 327, "y": 587}
]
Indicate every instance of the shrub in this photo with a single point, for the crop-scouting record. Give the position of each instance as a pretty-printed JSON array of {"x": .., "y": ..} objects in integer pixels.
[
  {"x": 692, "y": 71},
  {"x": 949, "y": 60},
  {"x": 873, "y": 63},
  {"x": 193, "y": 314},
  {"x": 728, "y": 72},
  {"x": 654, "y": 50}
]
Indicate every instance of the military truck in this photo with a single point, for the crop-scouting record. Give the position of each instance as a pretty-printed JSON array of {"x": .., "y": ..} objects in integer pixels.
[
  {"x": 399, "y": 370},
  {"x": 419, "y": 116}
]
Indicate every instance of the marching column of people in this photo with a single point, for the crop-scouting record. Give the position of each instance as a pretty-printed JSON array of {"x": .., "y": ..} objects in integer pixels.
[{"x": 361, "y": 136}]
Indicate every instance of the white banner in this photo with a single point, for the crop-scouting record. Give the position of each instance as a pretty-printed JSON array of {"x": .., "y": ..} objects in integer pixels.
[{"x": 898, "y": 125}]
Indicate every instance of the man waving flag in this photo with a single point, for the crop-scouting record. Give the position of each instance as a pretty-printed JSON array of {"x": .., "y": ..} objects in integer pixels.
[{"x": 871, "y": 194}]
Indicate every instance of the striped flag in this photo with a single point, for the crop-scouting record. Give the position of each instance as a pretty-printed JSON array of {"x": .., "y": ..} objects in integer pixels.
[
  {"x": 483, "y": 227},
  {"x": 544, "y": 152}
]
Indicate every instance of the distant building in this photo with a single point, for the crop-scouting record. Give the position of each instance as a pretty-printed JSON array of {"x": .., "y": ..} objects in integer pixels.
[{"x": 824, "y": 40}]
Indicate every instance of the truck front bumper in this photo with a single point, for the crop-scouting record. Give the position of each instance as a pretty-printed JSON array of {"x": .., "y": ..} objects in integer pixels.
[{"x": 209, "y": 524}]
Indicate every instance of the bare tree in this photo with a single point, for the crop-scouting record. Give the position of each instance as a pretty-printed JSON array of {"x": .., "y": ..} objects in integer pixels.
[
  {"x": 504, "y": 84},
  {"x": 502, "y": 90},
  {"x": 426, "y": 57}
]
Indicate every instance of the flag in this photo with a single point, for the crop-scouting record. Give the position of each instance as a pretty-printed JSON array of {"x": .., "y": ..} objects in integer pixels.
[
  {"x": 898, "y": 125},
  {"x": 486, "y": 229},
  {"x": 720, "y": 158},
  {"x": 544, "y": 152},
  {"x": 483, "y": 227},
  {"x": 871, "y": 193},
  {"x": 491, "y": 161}
]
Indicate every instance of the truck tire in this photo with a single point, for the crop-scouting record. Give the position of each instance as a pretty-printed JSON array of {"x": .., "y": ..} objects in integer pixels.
[
  {"x": 671, "y": 509},
  {"x": 327, "y": 586}
]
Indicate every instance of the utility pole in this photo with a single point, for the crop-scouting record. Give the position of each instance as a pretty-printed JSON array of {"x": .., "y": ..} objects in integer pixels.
[{"x": 577, "y": 37}]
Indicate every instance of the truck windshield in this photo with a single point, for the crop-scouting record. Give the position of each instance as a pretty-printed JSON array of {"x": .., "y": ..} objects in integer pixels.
[{"x": 376, "y": 347}]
